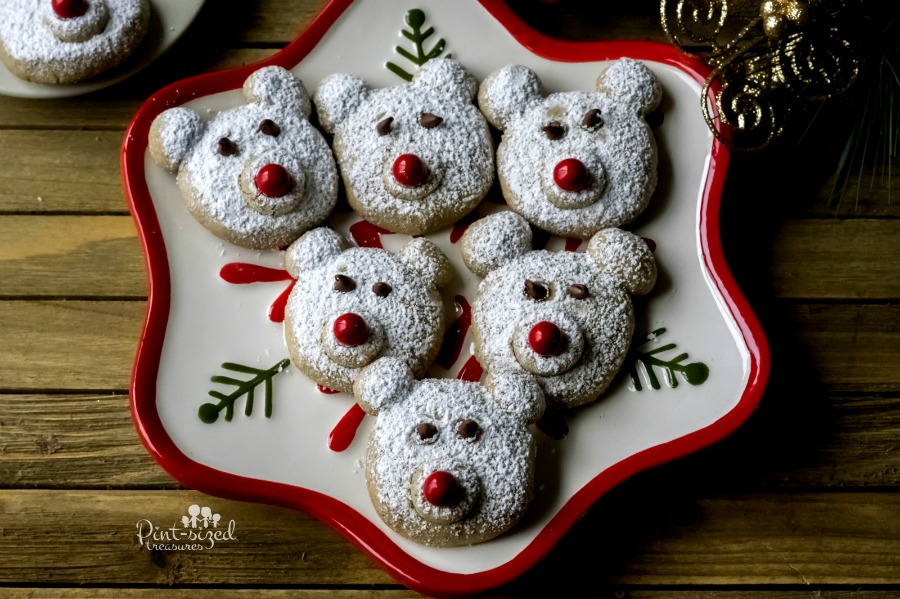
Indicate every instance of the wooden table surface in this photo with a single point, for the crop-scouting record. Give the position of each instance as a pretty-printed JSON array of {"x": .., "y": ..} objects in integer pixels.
[{"x": 801, "y": 502}]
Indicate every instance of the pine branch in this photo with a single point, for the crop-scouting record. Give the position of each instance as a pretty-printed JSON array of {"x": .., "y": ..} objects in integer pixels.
[
  {"x": 695, "y": 373},
  {"x": 209, "y": 412},
  {"x": 415, "y": 19}
]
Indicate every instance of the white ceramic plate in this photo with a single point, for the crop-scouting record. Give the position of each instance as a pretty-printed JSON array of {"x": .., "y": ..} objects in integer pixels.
[
  {"x": 168, "y": 20},
  {"x": 197, "y": 321}
]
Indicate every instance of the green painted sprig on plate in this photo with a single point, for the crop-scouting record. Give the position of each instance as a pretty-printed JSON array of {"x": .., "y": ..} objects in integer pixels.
[
  {"x": 695, "y": 373},
  {"x": 415, "y": 19},
  {"x": 209, "y": 412}
]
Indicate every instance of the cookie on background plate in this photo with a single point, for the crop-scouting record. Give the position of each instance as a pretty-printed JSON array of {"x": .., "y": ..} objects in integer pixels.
[{"x": 67, "y": 41}]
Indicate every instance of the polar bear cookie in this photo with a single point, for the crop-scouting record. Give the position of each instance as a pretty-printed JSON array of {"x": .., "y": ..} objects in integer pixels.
[
  {"x": 66, "y": 41},
  {"x": 258, "y": 175},
  {"x": 352, "y": 305},
  {"x": 564, "y": 317},
  {"x": 576, "y": 162},
  {"x": 448, "y": 462},
  {"x": 414, "y": 158}
]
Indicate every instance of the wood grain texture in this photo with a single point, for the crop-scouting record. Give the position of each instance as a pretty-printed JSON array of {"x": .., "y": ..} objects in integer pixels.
[
  {"x": 74, "y": 441},
  {"x": 101, "y": 257},
  {"x": 53, "y": 171},
  {"x": 71, "y": 256},
  {"x": 89, "y": 442},
  {"x": 65, "y": 345},
  {"x": 782, "y": 538},
  {"x": 87, "y": 345},
  {"x": 388, "y": 593}
]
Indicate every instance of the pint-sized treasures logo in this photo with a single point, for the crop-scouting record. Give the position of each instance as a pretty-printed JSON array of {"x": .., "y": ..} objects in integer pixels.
[{"x": 200, "y": 529}]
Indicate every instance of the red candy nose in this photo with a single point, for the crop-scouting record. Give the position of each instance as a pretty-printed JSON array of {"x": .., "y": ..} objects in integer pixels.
[
  {"x": 571, "y": 175},
  {"x": 69, "y": 9},
  {"x": 274, "y": 181},
  {"x": 350, "y": 329},
  {"x": 409, "y": 170},
  {"x": 546, "y": 339},
  {"x": 442, "y": 489}
]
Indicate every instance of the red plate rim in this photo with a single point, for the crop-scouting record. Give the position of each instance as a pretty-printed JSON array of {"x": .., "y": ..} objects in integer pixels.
[{"x": 351, "y": 524}]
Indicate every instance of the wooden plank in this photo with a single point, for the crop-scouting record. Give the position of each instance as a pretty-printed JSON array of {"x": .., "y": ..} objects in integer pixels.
[
  {"x": 621, "y": 592},
  {"x": 65, "y": 345},
  {"x": 194, "y": 593},
  {"x": 89, "y": 442},
  {"x": 72, "y": 171},
  {"x": 71, "y": 256},
  {"x": 836, "y": 259},
  {"x": 89, "y": 345},
  {"x": 842, "y": 347},
  {"x": 80, "y": 441},
  {"x": 278, "y": 21},
  {"x": 274, "y": 545},
  {"x": 99, "y": 256},
  {"x": 634, "y": 538}
]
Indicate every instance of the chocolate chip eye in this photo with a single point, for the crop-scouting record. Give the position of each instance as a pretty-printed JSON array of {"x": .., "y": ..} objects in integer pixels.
[
  {"x": 427, "y": 432},
  {"x": 226, "y": 147},
  {"x": 469, "y": 429},
  {"x": 536, "y": 291},
  {"x": 344, "y": 283},
  {"x": 430, "y": 121},
  {"x": 382, "y": 289},
  {"x": 578, "y": 291},
  {"x": 592, "y": 119},
  {"x": 268, "y": 127},
  {"x": 384, "y": 126},
  {"x": 554, "y": 130}
]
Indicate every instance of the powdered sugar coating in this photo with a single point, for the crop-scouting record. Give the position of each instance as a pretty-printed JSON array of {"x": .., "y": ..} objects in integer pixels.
[
  {"x": 408, "y": 322},
  {"x": 39, "y": 46},
  {"x": 597, "y": 327},
  {"x": 220, "y": 189},
  {"x": 618, "y": 150},
  {"x": 494, "y": 469},
  {"x": 458, "y": 152}
]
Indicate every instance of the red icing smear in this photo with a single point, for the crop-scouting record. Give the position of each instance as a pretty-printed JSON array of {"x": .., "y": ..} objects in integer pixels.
[
  {"x": 572, "y": 244},
  {"x": 326, "y": 390},
  {"x": 471, "y": 371},
  {"x": 650, "y": 244},
  {"x": 367, "y": 235},
  {"x": 455, "y": 334},
  {"x": 461, "y": 225},
  {"x": 276, "y": 310},
  {"x": 241, "y": 273},
  {"x": 342, "y": 435}
]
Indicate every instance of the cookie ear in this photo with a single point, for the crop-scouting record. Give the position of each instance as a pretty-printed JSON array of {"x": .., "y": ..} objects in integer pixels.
[
  {"x": 507, "y": 93},
  {"x": 337, "y": 97},
  {"x": 494, "y": 240},
  {"x": 625, "y": 256},
  {"x": 381, "y": 383},
  {"x": 518, "y": 393},
  {"x": 427, "y": 261},
  {"x": 314, "y": 249},
  {"x": 172, "y": 135},
  {"x": 279, "y": 87},
  {"x": 630, "y": 83},
  {"x": 448, "y": 78}
]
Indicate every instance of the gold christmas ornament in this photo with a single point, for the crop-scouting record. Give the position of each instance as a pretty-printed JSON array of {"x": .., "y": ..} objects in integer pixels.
[{"x": 766, "y": 58}]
